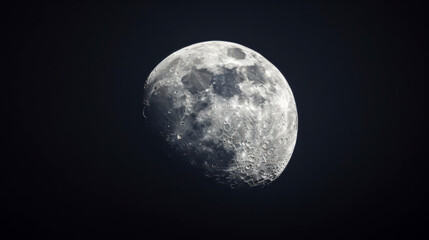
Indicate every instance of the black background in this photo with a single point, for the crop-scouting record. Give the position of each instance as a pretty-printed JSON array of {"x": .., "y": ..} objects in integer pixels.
[{"x": 79, "y": 163}]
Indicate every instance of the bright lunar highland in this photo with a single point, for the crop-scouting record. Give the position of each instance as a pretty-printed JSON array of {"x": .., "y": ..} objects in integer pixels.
[{"x": 226, "y": 109}]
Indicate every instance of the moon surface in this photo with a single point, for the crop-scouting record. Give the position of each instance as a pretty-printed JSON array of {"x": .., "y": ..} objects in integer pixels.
[{"x": 226, "y": 110}]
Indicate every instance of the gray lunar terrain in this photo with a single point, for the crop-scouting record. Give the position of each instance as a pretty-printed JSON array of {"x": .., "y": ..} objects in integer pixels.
[{"x": 226, "y": 109}]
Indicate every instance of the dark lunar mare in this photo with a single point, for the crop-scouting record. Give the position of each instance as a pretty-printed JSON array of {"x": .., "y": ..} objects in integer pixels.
[
  {"x": 236, "y": 53},
  {"x": 226, "y": 84},
  {"x": 255, "y": 74},
  {"x": 197, "y": 80}
]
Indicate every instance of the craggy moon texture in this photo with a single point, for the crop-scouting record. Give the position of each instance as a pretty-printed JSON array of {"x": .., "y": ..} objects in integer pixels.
[{"x": 226, "y": 109}]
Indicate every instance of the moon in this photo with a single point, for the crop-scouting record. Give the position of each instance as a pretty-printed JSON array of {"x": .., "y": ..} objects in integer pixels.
[{"x": 226, "y": 110}]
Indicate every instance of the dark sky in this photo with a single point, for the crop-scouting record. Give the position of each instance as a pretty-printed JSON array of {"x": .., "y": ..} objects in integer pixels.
[{"x": 80, "y": 164}]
